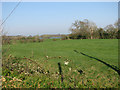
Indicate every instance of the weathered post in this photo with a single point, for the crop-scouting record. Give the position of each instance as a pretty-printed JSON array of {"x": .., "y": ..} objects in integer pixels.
[{"x": 60, "y": 71}]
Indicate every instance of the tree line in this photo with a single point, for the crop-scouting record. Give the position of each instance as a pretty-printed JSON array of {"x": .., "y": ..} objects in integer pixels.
[{"x": 88, "y": 30}]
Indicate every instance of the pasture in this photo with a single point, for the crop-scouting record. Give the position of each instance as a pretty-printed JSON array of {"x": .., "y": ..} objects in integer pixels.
[{"x": 28, "y": 65}]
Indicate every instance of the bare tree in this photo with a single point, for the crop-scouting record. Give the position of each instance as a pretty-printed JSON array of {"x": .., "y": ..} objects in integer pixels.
[
  {"x": 111, "y": 30},
  {"x": 85, "y": 28}
]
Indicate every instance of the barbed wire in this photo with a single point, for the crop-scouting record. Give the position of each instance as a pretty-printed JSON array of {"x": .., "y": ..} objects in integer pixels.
[{"x": 11, "y": 12}]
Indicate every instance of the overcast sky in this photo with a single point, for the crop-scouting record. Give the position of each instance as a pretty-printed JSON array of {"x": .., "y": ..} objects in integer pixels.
[{"x": 33, "y": 18}]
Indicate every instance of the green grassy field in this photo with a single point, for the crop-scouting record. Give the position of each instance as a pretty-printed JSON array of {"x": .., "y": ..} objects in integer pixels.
[{"x": 49, "y": 53}]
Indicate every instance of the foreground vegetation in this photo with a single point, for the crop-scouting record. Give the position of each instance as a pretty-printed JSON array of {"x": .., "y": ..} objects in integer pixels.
[{"x": 55, "y": 64}]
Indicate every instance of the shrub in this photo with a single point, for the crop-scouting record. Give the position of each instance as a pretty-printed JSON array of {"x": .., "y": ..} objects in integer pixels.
[
  {"x": 40, "y": 40},
  {"x": 77, "y": 36},
  {"x": 54, "y": 39},
  {"x": 64, "y": 38},
  {"x": 6, "y": 41}
]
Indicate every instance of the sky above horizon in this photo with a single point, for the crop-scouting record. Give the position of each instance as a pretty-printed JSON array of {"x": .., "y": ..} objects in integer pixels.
[{"x": 38, "y": 18}]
